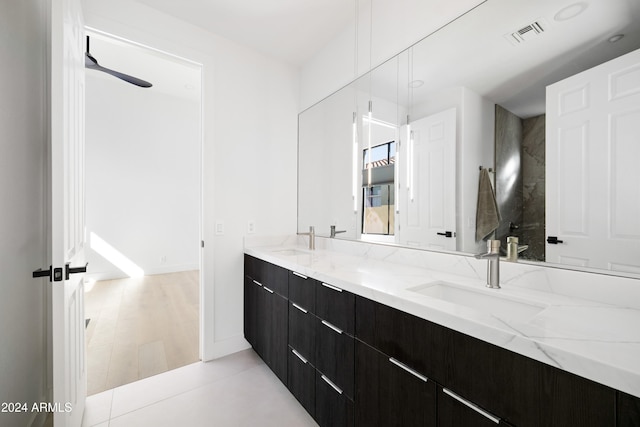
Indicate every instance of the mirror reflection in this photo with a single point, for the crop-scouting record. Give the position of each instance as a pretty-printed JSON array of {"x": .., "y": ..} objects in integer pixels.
[{"x": 397, "y": 155}]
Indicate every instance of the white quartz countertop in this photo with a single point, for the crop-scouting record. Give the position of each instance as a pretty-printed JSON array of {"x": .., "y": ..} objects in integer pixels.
[{"x": 597, "y": 341}]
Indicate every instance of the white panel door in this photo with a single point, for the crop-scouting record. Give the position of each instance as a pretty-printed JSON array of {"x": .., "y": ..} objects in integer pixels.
[
  {"x": 593, "y": 153},
  {"x": 429, "y": 216},
  {"x": 67, "y": 211}
]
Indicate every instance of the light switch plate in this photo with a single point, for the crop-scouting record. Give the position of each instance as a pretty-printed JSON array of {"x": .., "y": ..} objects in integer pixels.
[{"x": 219, "y": 228}]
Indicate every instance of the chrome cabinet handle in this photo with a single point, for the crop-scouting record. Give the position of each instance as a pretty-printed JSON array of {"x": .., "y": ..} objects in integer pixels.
[
  {"x": 302, "y": 276},
  {"x": 472, "y": 406},
  {"x": 267, "y": 289},
  {"x": 335, "y": 387},
  {"x": 257, "y": 283},
  {"x": 299, "y": 356},
  {"x": 408, "y": 369},
  {"x": 330, "y": 326},
  {"x": 299, "y": 308},
  {"x": 326, "y": 285}
]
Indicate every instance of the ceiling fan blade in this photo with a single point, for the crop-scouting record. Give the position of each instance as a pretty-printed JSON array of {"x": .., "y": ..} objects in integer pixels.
[{"x": 92, "y": 64}]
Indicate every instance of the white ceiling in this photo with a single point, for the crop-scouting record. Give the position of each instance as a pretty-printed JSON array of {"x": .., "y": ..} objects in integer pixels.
[
  {"x": 471, "y": 52},
  {"x": 290, "y": 30}
]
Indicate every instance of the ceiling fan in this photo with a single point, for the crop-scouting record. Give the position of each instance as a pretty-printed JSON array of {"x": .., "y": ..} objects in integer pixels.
[{"x": 91, "y": 63}]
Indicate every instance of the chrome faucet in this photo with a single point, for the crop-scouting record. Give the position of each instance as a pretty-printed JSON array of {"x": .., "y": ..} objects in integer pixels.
[
  {"x": 312, "y": 237},
  {"x": 493, "y": 263},
  {"x": 334, "y": 232}
]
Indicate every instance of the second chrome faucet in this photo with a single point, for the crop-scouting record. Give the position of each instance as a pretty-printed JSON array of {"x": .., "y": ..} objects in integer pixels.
[{"x": 493, "y": 263}]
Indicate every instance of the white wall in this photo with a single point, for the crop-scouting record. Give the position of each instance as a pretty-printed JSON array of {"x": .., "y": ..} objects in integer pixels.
[
  {"x": 142, "y": 177},
  {"x": 249, "y": 156},
  {"x": 23, "y": 137},
  {"x": 385, "y": 28}
]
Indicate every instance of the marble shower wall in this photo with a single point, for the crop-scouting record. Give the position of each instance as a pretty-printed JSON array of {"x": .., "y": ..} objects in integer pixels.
[
  {"x": 508, "y": 179},
  {"x": 520, "y": 181},
  {"x": 533, "y": 182}
]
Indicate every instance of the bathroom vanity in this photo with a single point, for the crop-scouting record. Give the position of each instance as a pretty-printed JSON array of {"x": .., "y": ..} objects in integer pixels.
[{"x": 365, "y": 334}]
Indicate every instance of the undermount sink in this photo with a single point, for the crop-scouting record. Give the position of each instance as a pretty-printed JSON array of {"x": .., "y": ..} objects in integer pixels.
[
  {"x": 290, "y": 252},
  {"x": 485, "y": 302}
]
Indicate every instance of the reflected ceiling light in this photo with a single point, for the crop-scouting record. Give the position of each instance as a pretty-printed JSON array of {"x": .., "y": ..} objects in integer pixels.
[
  {"x": 570, "y": 11},
  {"x": 616, "y": 38},
  {"x": 354, "y": 178},
  {"x": 416, "y": 83}
]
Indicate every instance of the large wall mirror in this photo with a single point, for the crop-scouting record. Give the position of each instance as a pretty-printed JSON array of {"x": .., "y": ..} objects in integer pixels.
[{"x": 397, "y": 156}]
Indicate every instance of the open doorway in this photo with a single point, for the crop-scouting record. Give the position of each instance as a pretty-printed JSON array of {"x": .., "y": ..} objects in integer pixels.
[{"x": 143, "y": 213}]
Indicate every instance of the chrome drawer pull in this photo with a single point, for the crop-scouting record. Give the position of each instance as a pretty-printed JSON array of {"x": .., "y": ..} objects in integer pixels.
[
  {"x": 299, "y": 356},
  {"x": 267, "y": 289},
  {"x": 408, "y": 369},
  {"x": 257, "y": 283},
  {"x": 302, "y": 276},
  {"x": 330, "y": 326},
  {"x": 326, "y": 285},
  {"x": 335, "y": 387},
  {"x": 472, "y": 406},
  {"x": 299, "y": 308}
]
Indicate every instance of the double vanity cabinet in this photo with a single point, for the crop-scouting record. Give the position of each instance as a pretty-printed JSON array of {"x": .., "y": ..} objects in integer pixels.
[{"x": 353, "y": 361}]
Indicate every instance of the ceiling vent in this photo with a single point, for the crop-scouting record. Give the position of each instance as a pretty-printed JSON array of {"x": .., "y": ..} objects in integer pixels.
[{"x": 528, "y": 32}]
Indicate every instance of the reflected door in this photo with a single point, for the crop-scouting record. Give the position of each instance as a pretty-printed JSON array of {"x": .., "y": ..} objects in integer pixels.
[
  {"x": 428, "y": 205},
  {"x": 593, "y": 173}
]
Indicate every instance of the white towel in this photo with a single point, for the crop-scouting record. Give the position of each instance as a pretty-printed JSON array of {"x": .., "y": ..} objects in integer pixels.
[{"x": 487, "y": 214}]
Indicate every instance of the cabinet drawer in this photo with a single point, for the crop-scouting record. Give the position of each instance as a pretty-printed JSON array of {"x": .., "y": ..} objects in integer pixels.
[
  {"x": 333, "y": 408},
  {"x": 454, "y": 411},
  {"x": 415, "y": 341},
  {"x": 271, "y": 276},
  {"x": 336, "y": 306},
  {"x": 302, "y": 291},
  {"x": 302, "y": 381},
  {"x": 628, "y": 410},
  {"x": 302, "y": 331},
  {"x": 335, "y": 355},
  {"x": 389, "y": 393}
]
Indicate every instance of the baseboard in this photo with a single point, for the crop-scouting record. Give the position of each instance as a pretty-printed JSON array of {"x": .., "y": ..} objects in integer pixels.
[
  {"x": 118, "y": 274},
  {"x": 226, "y": 347}
]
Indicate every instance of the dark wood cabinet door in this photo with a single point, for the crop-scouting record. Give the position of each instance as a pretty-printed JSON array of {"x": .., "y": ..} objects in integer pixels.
[
  {"x": 628, "y": 409},
  {"x": 302, "y": 291},
  {"x": 279, "y": 336},
  {"x": 388, "y": 394},
  {"x": 522, "y": 391},
  {"x": 333, "y": 408},
  {"x": 336, "y": 306},
  {"x": 302, "y": 331},
  {"x": 271, "y": 276},
  {"x": 415, "y": 341},
  {"x": 452, "y": 412},
  {"x": 249, "y": 315},
  {"x": 335, "y": 355},
  {"x": 275, "y": 278},
  {"x": 302, "y": 381}
]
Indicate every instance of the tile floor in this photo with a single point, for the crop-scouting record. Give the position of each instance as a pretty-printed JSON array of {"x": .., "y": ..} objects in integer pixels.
[{"x": 237, "y": 390}]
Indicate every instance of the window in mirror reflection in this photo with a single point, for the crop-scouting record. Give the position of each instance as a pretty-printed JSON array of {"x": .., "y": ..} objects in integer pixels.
[{"x": 378, "y": 213}]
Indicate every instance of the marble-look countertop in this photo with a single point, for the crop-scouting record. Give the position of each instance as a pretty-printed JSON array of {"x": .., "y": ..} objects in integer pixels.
[{"x": 594, "y": 340}]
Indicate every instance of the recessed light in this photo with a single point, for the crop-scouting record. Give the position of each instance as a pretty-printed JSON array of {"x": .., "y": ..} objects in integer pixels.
[
  {"x": 570, "y": 11},
  {"x": 416, "y": 83},
  {"x": 615, "y": 38}
]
